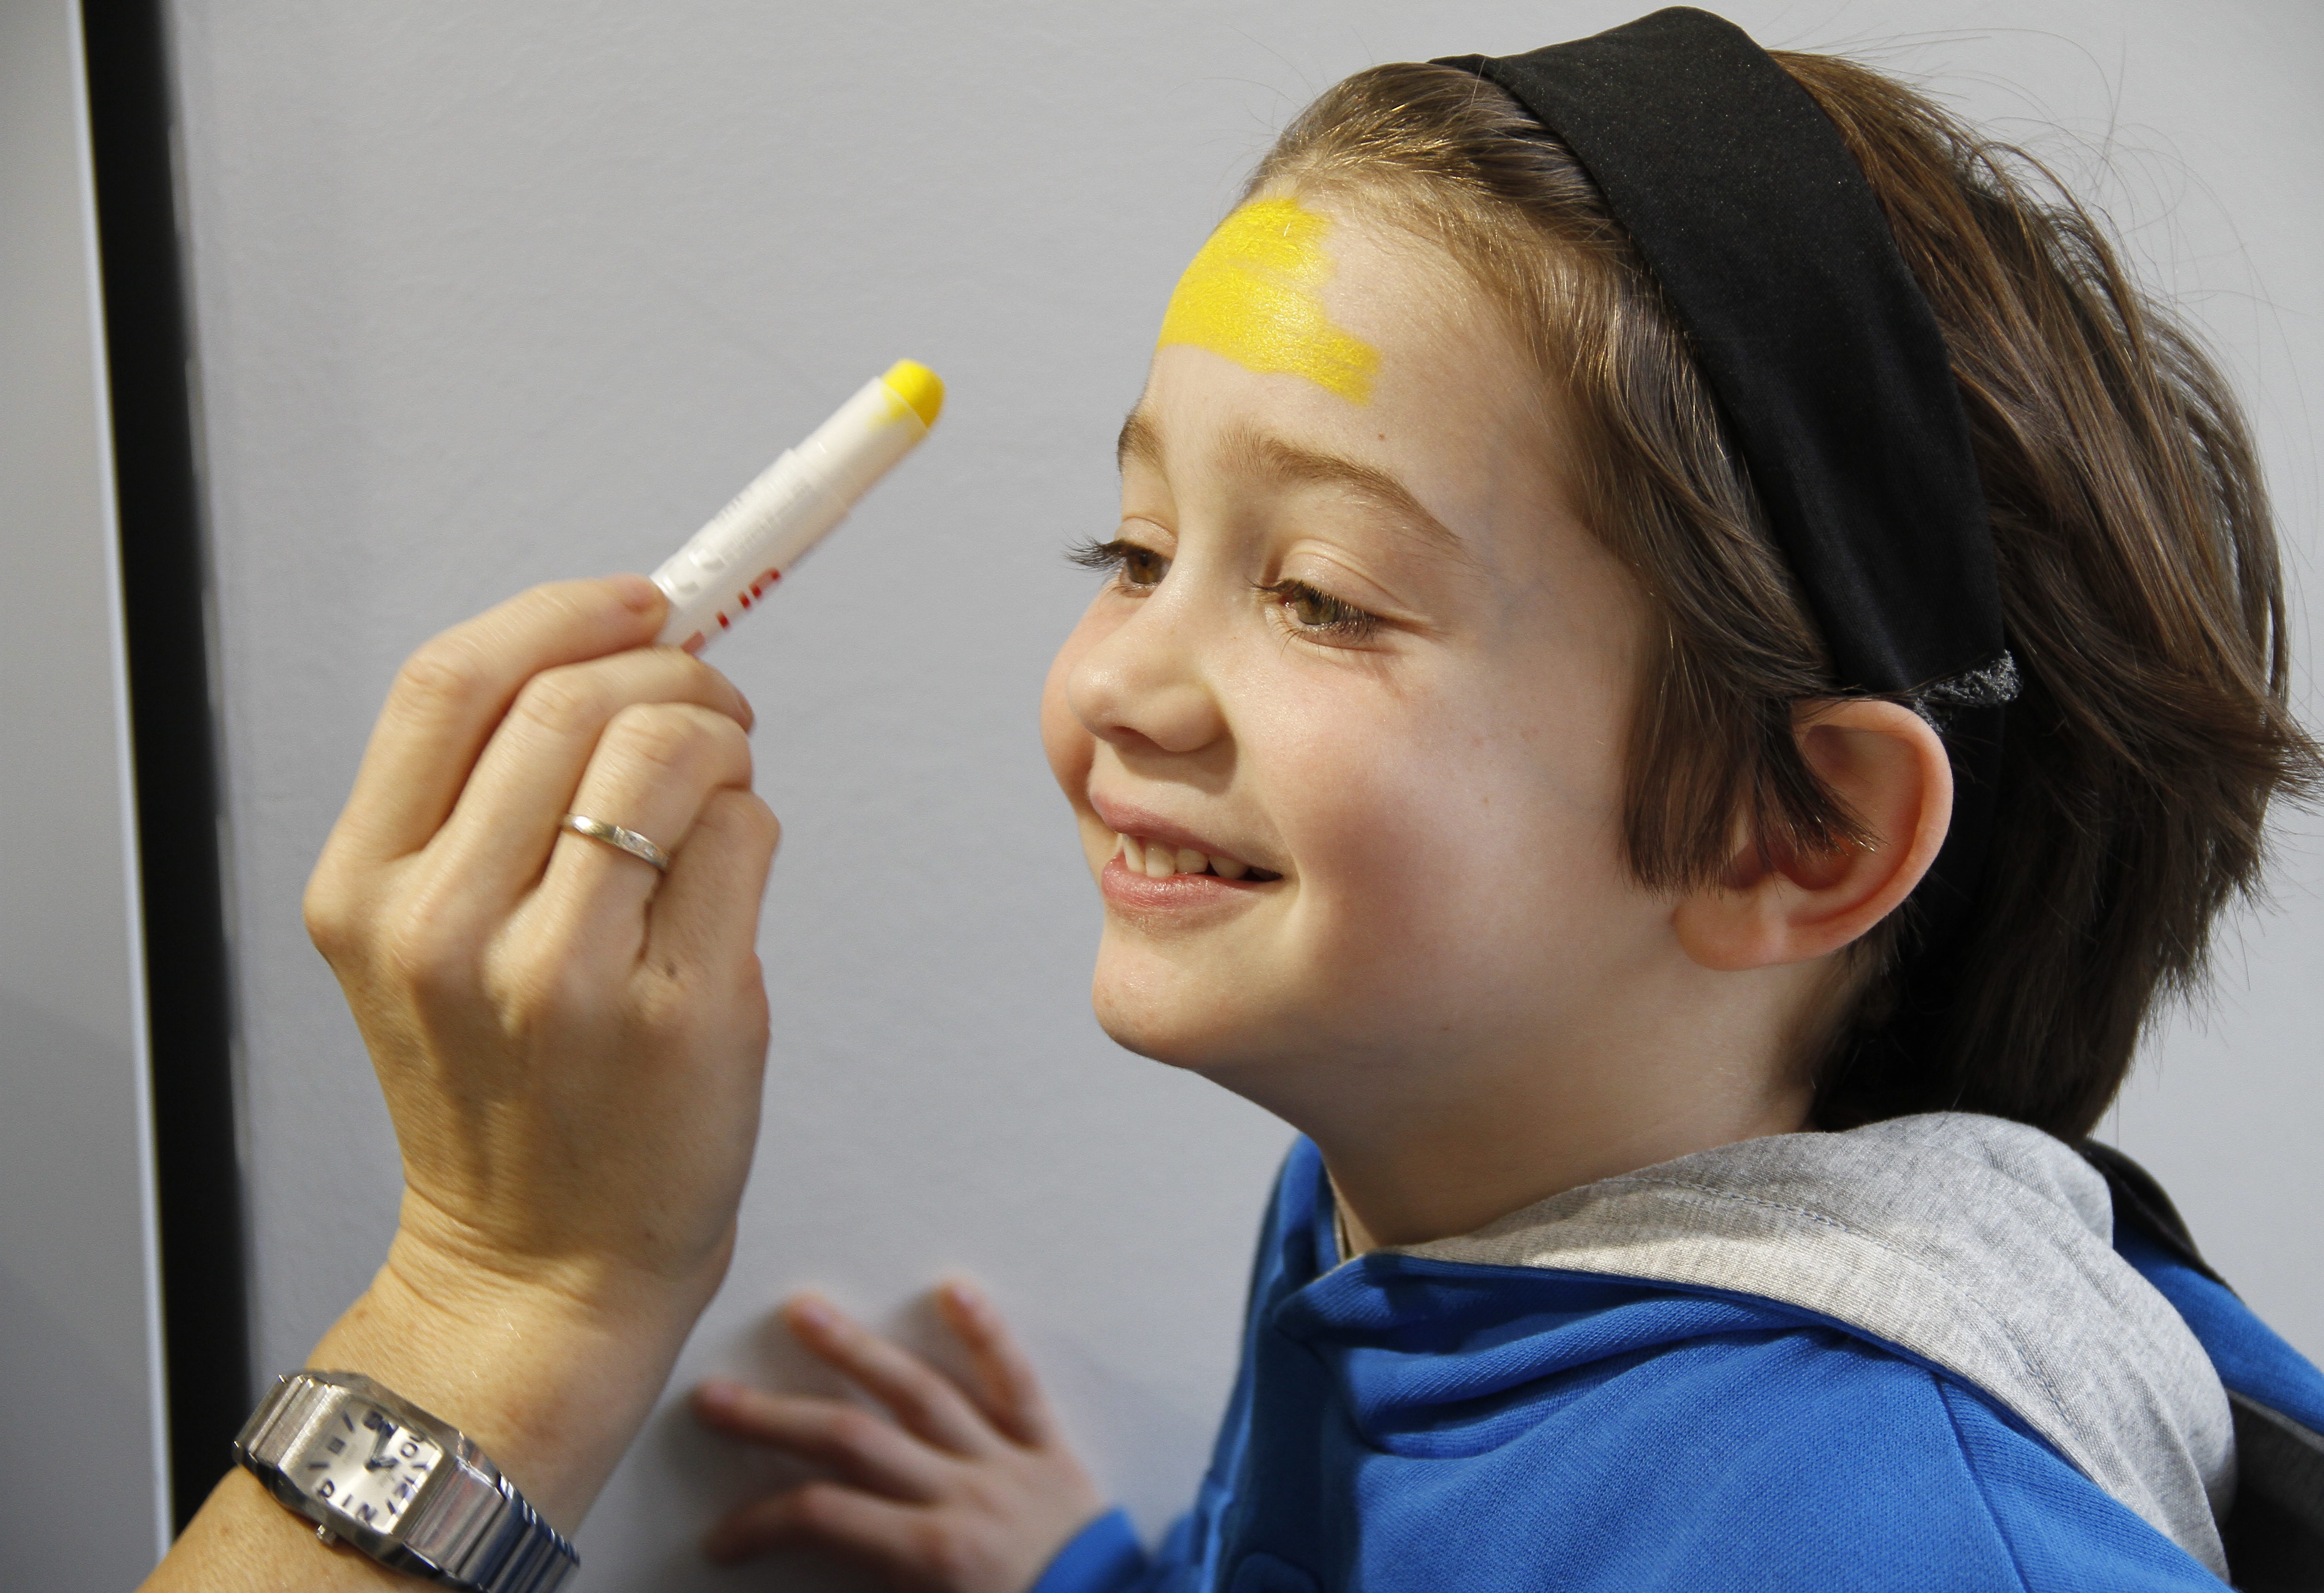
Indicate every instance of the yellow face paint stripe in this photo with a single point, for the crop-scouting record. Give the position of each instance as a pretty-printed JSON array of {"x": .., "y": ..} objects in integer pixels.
[{"x": 1255, "y": 295}]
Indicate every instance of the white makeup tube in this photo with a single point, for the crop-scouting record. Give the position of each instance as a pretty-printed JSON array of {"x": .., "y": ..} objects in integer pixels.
[{"x": 728, "y": 565}]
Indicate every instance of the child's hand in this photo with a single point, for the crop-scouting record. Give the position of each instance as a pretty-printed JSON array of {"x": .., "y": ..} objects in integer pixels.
[{"x": 965, "y": 1491}]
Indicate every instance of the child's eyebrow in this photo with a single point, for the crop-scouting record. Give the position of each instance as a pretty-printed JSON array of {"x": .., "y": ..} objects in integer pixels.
[
  {"x": 1293, "y": 464},
  {"x": 1139, "y": 441},
  {"x": 1263, "y": 454}
]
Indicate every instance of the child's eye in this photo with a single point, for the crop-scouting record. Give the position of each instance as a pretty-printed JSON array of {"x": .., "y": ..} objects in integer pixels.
[
  {"x": 1320, "y": 614},
  {"x": 1132, "y": 565}
]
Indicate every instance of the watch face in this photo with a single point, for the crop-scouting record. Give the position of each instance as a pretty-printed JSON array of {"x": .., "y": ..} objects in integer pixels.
[{"x": 368, "y": 1467}]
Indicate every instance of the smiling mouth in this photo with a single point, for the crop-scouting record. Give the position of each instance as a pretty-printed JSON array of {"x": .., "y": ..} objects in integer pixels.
[{"x": 1160, "y": 861}]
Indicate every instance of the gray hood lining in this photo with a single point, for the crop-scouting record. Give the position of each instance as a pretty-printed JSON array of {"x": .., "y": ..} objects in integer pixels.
[{"x": 1978, "y": 1246}]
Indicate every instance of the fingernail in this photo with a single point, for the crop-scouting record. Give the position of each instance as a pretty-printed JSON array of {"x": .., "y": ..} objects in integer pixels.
[
  {"x": 965, "y": 1294},
  {"x": 637, "y": 592},
  {"x": 809, "y": 1312}
]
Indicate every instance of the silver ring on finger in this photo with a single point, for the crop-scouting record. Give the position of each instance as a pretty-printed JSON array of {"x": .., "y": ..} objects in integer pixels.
[{"x": 614, "y": 836}]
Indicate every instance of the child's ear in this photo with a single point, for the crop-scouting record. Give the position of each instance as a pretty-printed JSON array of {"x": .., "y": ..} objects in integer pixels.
[{"x": 1888, "y": 768}]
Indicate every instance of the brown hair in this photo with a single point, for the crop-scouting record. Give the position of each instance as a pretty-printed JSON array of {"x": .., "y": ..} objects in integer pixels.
[{"x": 2137, "y": 564}]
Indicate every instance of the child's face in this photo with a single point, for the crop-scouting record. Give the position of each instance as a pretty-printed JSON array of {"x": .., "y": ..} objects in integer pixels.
[{"x": 1360, "y": 650}]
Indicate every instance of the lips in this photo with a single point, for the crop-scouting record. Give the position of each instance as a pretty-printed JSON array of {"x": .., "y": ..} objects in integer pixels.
[
  {"x": 1161, "y": 870},
  {"x": 1148, "y": 846}
]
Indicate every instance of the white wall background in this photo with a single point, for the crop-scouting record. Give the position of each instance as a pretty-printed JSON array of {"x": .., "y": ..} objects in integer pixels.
[
  {"x": 489, "y": 294},
  {"x": 84, "y": 1484}
]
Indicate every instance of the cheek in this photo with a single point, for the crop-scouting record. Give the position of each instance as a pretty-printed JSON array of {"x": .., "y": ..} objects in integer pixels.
[{"x": 1447, "y": 839}]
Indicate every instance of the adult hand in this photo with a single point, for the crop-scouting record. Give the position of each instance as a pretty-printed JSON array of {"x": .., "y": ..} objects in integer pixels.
[
  {"x": 966, "y": 1490},
  {"x": 570, "y": 1042}
]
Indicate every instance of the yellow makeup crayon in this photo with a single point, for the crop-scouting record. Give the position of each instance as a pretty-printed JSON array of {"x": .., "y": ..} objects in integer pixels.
[{"x": 727, "y": 565}]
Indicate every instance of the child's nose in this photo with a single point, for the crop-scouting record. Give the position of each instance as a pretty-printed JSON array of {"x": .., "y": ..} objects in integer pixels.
[{"x": 1143, "y": 685}]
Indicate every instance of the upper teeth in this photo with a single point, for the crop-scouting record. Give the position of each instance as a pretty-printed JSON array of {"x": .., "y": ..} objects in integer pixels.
[{"x": 1156, "y": 861}]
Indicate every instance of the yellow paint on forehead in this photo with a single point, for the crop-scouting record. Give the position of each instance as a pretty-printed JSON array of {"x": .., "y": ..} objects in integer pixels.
[{"x": 1255, "y": 295}]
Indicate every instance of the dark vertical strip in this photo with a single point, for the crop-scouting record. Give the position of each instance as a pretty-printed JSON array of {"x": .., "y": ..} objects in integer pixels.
[{"x": 205, "y": 1311}]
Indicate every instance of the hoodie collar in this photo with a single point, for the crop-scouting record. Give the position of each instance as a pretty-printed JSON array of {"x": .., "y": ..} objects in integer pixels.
[{"x": 1978, "y": 1245}]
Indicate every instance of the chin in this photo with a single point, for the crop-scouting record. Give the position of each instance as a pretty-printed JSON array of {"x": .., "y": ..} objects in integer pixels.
[
  {"x": 1161, "y": 1014},
  {"x": 1136, "y": 1028}
]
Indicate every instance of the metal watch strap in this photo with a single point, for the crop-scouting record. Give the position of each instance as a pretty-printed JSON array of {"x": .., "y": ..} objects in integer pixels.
[{"x": 469, "y": 1527}]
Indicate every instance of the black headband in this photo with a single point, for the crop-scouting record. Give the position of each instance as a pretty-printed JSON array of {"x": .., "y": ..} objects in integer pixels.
[{"x": 1825, "y": 360}]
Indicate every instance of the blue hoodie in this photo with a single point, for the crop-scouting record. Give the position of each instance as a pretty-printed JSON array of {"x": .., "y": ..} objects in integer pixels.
[{"x": 1907, "y": 1357}]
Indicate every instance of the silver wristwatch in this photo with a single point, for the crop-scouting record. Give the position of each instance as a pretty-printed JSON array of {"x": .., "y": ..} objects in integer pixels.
[{"x": 409, "y": 1491}]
